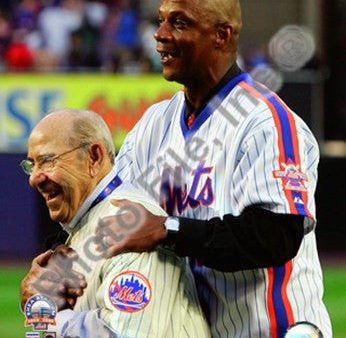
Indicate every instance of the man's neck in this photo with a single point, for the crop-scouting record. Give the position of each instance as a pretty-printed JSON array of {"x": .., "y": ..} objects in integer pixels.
[{"x": 197, "y": 97}]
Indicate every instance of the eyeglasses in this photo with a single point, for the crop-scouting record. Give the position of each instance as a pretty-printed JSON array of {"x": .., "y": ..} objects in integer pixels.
[{"x": 45, "y": 162}]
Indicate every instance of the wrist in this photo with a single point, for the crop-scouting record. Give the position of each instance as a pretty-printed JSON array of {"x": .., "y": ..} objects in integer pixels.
[{"x": 172, "y": 226}]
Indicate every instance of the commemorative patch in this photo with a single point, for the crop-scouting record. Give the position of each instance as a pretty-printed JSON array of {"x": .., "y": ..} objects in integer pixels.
[
  {"x": 39, "y": 311},
  {"x": 291, "y": 176},
  {"x": 129, "y": 292}
]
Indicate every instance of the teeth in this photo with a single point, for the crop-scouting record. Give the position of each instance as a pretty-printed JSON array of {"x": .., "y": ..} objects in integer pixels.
[
  {"x": 52, "y": 195},
  {"x": 166, "y": 56}
]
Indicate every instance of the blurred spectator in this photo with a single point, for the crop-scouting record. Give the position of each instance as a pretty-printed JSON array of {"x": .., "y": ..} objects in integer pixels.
[
  {"x": 25, "y": 14},
  {"x": 147, "y": 30},
  {"x": 70, "y": 35},
  {"x": 18, "y": 56},
  {"x": 121, "y": 42},
  {"x": 5, "y": 35},
  {"x": 56, "y": 25},
  {"x": 85, "y": 49}
]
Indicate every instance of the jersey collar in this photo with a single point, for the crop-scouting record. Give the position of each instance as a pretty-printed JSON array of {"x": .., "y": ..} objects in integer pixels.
[{"x": 213, "y": 103}]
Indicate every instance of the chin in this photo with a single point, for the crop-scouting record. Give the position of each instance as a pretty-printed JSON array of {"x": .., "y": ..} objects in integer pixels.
[
  {"x": 168, "y": 76},
  {"x": 170, "y": 73},
  {"x": 57, "y": 217},
  {"x": 173, "y": 75}
]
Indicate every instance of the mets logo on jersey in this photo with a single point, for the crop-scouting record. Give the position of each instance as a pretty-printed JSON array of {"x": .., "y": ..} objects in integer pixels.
[
  {"x": 292, "y": 178},
  {"x": 39, "y": 311},
  {"x": 129, "y": 291},
  {"x": 176, "y": 196}
]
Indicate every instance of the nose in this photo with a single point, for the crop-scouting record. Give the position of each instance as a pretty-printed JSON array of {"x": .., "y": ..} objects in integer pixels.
[
  {"x": 163, "y": 32},
  {"x": 36, "y": 178}
]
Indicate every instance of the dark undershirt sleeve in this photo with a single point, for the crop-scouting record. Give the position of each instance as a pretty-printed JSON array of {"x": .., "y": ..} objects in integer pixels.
[{"x": 258, "y": 238}]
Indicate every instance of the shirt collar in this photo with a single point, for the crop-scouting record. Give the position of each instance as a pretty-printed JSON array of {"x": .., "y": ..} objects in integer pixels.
[{"x": 84, "y": 208}]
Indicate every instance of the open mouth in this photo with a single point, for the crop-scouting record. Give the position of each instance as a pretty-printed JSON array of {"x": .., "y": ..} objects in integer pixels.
[
  {"x": 49, "y": 191},
  {"x": 167, "y": 56},
  {"x": 52, "y": 195}
]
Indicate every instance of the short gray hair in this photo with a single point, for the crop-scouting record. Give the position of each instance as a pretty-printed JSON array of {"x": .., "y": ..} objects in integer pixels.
[{"x": 88, "y": 127}]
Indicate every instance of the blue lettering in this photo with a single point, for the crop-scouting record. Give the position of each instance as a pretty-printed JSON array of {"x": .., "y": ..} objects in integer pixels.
[
  {"x": 171, "y": 194},
  {"x": 47, "y": 100},
  {"x": 14, "y": 110},
  {"x": 174, "y": 194}
]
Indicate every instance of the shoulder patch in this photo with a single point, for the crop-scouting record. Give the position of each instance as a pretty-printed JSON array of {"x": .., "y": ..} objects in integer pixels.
[
  {"x": 291, "y": 176},
  {"x": 130, "y": 291}
]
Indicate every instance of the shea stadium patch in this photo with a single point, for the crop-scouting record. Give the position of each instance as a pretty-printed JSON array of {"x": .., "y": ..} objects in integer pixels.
[
  {"x": 130, "y": 292},
  {"x": 39, "y": 311},
  {"x": 292, "y": 178}
]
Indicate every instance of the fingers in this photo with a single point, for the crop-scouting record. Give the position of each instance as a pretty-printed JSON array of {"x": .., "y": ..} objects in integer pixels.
[
  {"x": 63, "y": 252},
  {"x": 51, "y": 274},
  {"x": 118, "y": 203},
  {"x": 38, "y": 279},
  {"x": 62, "y": 259},
  {"x": 108, "y": 233},
  {"x": 63, "y": 291},
  {"x": 71, "y": 302},
  {"x": 124, "y": 202},
  {"x": 71, "y": 283},
  {"x": 63, "y": 303},
  {"x": 132, "y": 228},
  {"x": 129, "y": 214},
  {"x": 127, "y": 219},
  {"x": 66, "y": 251},
  {"x": 43, "y": 258}
]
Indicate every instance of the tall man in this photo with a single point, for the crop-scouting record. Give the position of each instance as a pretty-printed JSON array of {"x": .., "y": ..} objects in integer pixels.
[
  {"x": 70, "y": 162},
  {"x": 236, "y": 171}
]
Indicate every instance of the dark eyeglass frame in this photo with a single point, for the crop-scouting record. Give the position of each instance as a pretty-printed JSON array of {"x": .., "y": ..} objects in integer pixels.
[{"x": 28, "y": 165}]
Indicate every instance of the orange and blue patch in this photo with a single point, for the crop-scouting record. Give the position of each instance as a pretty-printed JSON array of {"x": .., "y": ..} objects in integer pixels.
[{"x": 129, "y": 292}]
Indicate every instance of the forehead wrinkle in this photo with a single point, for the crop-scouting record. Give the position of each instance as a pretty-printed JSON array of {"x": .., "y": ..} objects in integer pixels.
[{"x": 53, "y": 129}]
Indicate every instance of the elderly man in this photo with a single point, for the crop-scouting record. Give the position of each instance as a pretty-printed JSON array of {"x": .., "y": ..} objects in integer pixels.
[{"x": 70, "y": 162}]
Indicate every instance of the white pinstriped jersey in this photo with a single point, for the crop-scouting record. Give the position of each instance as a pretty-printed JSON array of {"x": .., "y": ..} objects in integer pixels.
[
  {"x": 246, "y": 147},
  {"x": 135, "y": 294}
]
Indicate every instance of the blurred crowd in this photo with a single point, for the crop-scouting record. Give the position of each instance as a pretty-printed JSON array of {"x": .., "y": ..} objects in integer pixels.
[
  {"x": 78, "y": 35},
  {"x": 92, "y": 35}
]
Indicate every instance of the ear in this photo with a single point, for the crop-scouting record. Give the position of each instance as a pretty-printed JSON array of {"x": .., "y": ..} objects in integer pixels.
[
  {"x": 224, "y": 33},
  {"x": 96, "y": 155}
]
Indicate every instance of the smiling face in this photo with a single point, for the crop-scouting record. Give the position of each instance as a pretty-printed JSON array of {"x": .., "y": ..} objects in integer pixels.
[
  {"x": 67, "y": 183},
  {"x": 185, "y": 40}
]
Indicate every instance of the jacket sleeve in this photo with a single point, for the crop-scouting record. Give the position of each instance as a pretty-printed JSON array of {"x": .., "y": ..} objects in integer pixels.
[
  {"x": 276, "y": 207},
  {"x": 258, "y": 238}
]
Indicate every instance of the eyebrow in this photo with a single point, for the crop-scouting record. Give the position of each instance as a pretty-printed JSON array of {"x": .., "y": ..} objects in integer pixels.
[
  {"x": 174, "y": 13},
  {"x": 39, "y": 157}
]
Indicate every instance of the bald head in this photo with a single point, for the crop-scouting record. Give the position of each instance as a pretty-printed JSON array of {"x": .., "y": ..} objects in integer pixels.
[
  {"x": 224, "y": 12},
  {"x": 76, "y": 127}
]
